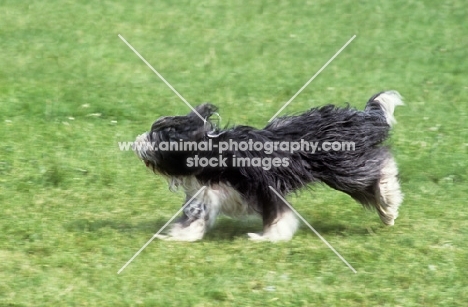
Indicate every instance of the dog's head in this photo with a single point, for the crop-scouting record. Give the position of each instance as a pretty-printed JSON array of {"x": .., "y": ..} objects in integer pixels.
[{"x": 154, "y": 147}]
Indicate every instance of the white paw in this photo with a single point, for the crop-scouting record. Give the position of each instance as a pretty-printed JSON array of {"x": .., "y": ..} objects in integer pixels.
[
  {"x": 193, "y": 232},
  {"x": 180, "y": 238},
  {"x": 162, "y": 237},
  {"x": 174, "y": 238},
  {"x": 257, "y": 237}
]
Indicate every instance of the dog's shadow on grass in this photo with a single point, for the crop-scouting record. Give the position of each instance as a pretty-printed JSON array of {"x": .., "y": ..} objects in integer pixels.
[
  {"x": 225, "y": 229},
  {"x": 230, "y": 229},
  {"x": 96, "y": 225}
]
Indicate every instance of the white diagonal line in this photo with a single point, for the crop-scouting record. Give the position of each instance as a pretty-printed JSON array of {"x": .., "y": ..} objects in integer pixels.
[
  {"x": 312, "y": 228},
  {"x": 161, "y": 77},
  {"x": 313, "y": 77},
  {"x": 159, "y": 231}
]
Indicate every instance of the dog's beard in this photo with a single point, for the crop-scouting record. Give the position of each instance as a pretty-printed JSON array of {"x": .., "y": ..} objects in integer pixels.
[{"x": 165, "y": 161}]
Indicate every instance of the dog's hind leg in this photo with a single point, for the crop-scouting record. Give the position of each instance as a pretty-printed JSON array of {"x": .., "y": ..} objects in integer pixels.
[
  {"x": 388, "y": 193},
  {"x": 381, "y": 189}
]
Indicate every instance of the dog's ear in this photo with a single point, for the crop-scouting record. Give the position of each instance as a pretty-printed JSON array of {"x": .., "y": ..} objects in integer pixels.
[{"x": 205, "y": 110}]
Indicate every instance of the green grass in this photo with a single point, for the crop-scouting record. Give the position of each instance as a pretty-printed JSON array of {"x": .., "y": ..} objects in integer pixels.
[{"x": 74, "y": 208}]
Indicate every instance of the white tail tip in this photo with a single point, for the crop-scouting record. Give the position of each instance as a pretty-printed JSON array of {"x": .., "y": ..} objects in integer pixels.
[{"x": 389, "y": 100}]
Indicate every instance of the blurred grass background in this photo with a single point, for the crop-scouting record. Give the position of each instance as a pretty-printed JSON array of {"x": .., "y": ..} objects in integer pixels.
[{"x": 74, "y": 208}]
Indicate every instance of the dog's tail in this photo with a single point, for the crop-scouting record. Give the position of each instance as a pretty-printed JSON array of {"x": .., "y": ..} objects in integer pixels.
[{"x": 386, "y": 102}]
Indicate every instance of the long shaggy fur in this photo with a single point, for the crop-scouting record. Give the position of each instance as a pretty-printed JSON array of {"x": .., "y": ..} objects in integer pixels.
[{"x": 368, "y": 173}]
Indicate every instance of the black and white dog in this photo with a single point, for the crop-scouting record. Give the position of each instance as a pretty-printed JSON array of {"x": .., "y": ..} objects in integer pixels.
[{"x": 238, "y": 165}]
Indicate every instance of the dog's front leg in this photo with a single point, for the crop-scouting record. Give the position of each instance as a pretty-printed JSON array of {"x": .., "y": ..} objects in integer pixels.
[
  {"x": 279, "y": 224},
  {"x": 193, "y": 223}
]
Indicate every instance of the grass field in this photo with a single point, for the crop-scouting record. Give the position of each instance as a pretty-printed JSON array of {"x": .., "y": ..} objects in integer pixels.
[{"x": 74, "y": 208}]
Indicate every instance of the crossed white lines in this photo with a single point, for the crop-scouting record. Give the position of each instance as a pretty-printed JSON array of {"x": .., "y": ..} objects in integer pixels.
[
  {"x": 204, "y": 120},
  {"x": 162, "y": 228},
  {"x": 161, "y": 77}
]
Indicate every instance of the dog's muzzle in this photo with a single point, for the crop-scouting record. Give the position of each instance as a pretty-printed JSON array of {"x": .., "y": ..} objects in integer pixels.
[{"x": 142, "y": 146}]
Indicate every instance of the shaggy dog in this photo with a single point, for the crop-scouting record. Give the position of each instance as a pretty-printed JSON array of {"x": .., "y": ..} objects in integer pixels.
[{"x": 341, "y": 147}]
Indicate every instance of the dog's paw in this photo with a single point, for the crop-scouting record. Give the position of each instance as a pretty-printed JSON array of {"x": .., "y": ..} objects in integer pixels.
[
  {"x": 179, "y": 232},
  {"x": 257, "y": 237},
  {"x": 163, "y": 237},
  {"x": 178, "y": 238},
  {"x": 262, "y": 237}
]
